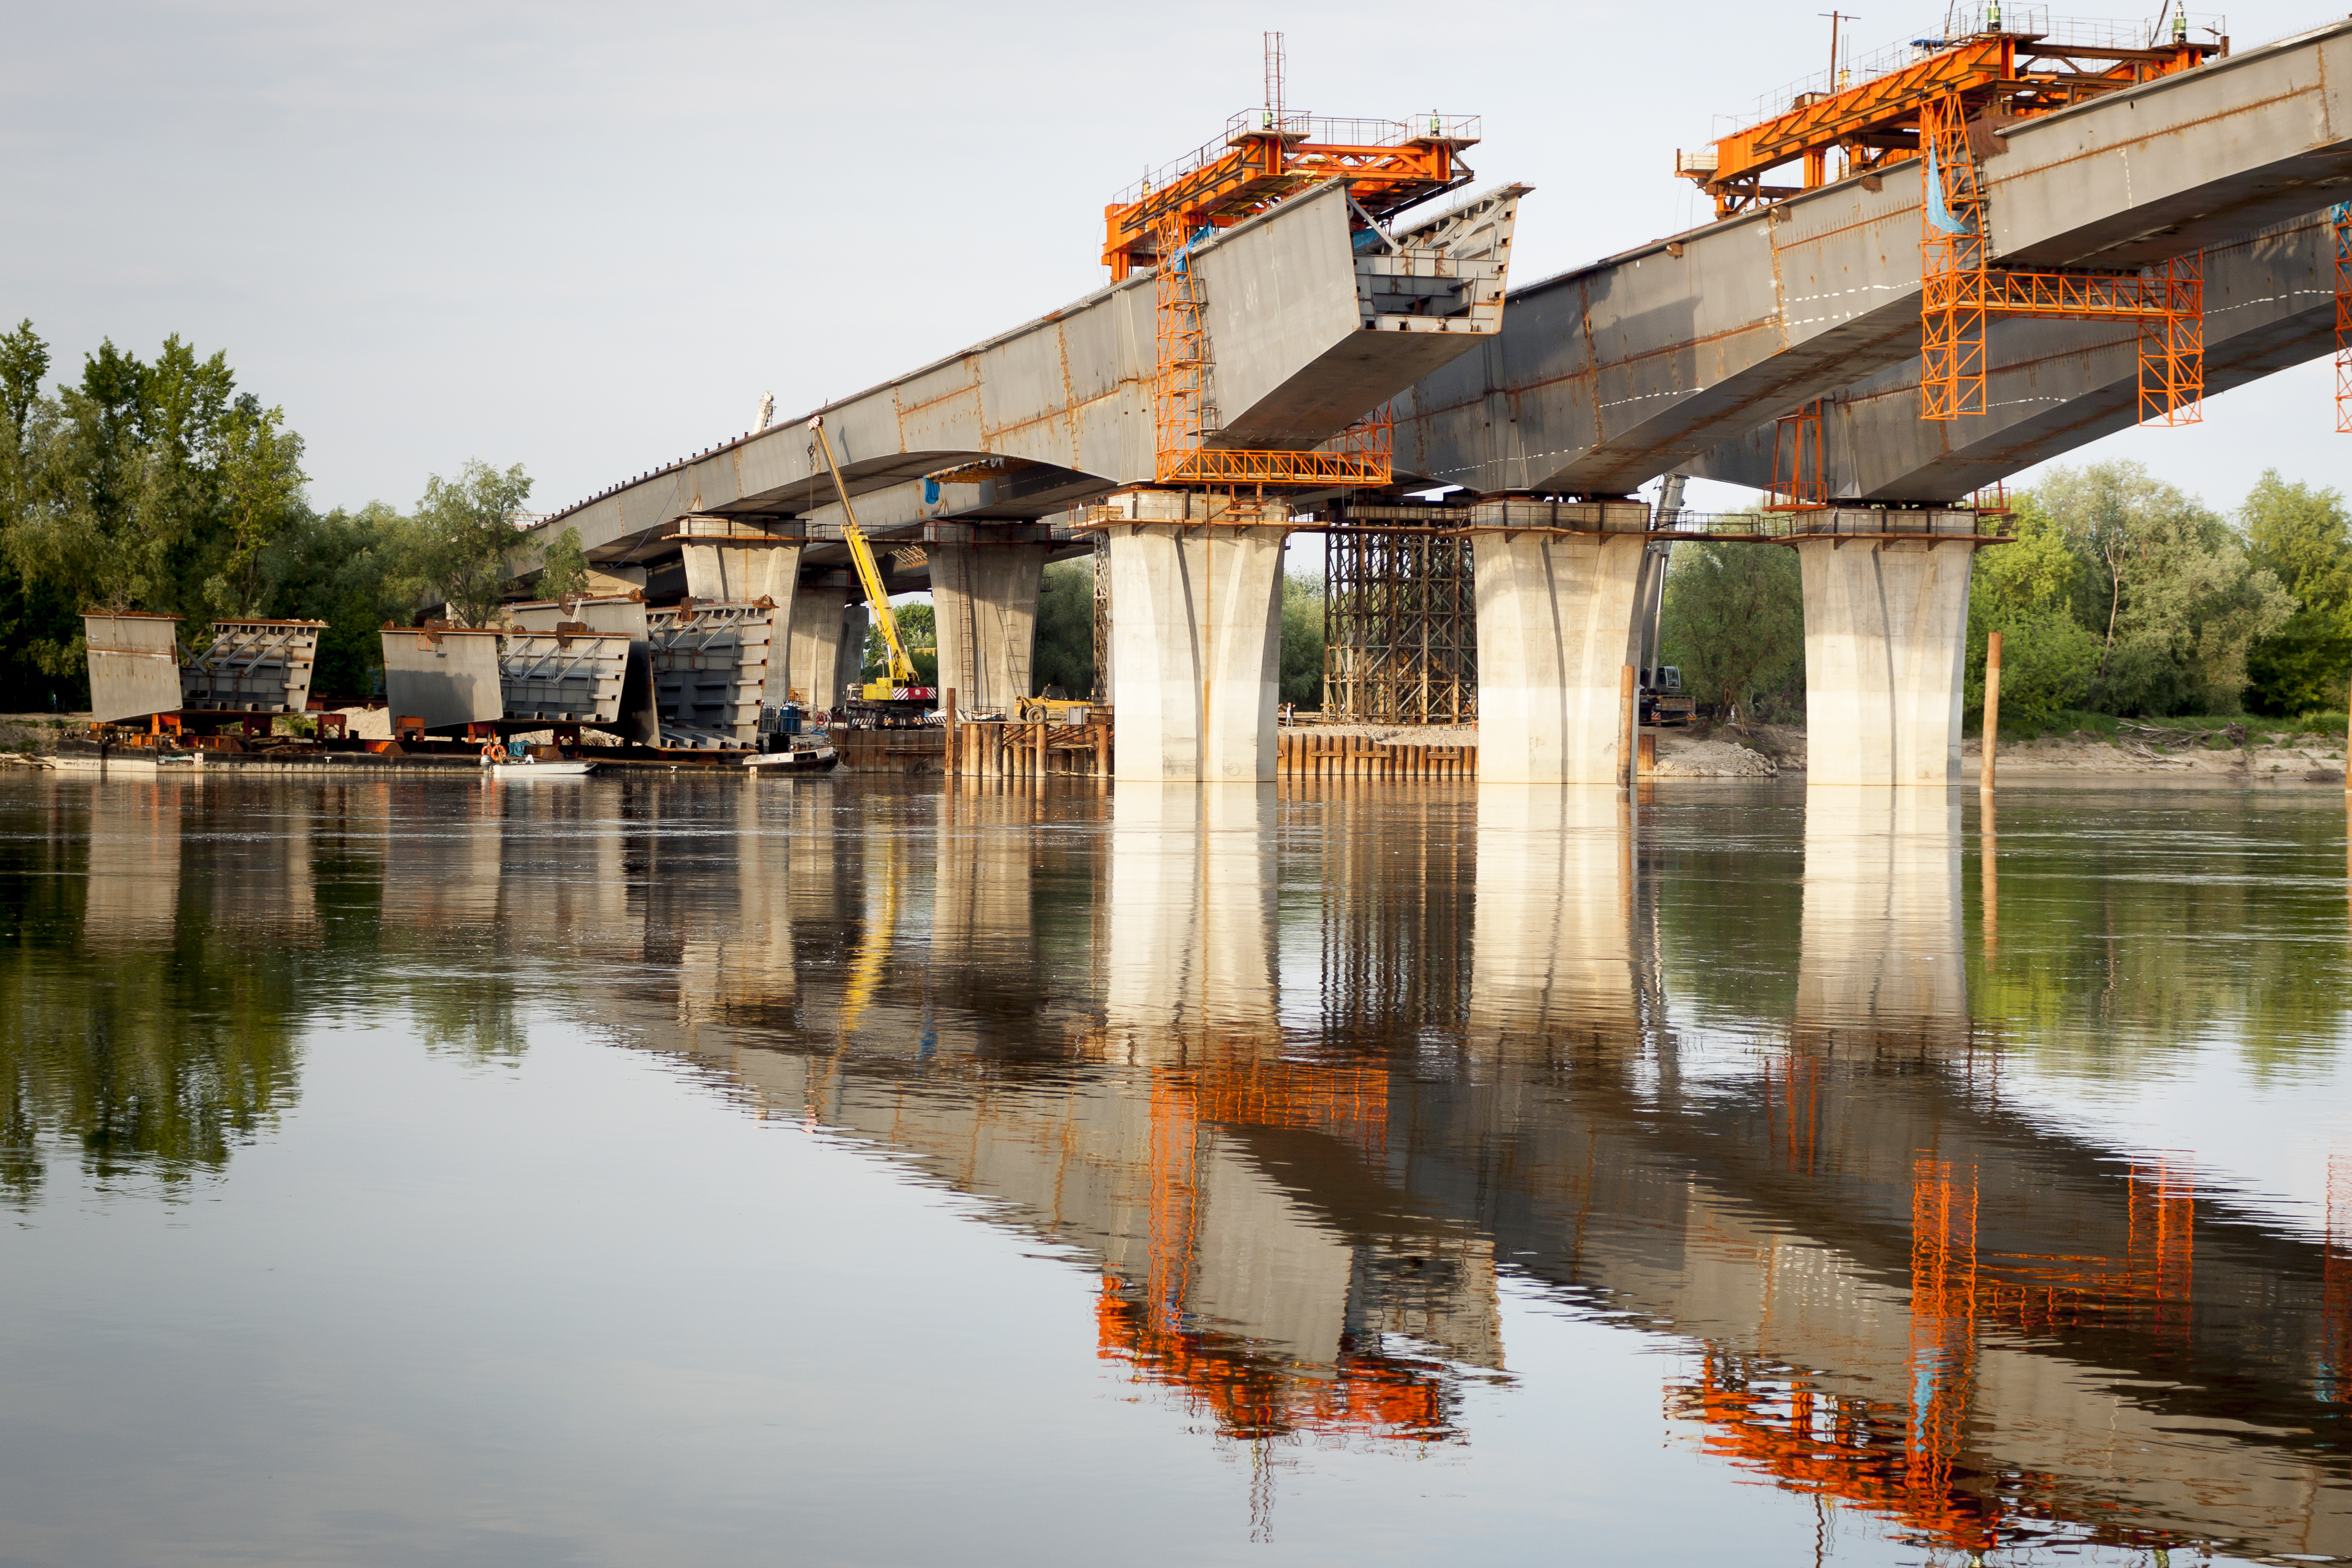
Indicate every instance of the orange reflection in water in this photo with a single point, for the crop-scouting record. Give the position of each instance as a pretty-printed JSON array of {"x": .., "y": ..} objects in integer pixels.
[
  {"x": 1149, "y": 1322},
  {"x": 1909, "y": 1464}
]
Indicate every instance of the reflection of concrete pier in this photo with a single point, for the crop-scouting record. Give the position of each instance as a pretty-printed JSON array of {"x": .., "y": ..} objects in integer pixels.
[
  {"x": 1902, "y": 1296},
  {"x": 1884, "y": 956},
  {"x": 1553, "y": 956}
]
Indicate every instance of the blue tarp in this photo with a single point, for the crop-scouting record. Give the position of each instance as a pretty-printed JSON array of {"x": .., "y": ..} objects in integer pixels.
[{"x": 1937, "y": 213}]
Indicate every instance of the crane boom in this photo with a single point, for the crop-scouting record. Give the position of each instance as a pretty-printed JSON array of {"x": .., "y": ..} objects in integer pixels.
[{"x": 902, "y": 669}]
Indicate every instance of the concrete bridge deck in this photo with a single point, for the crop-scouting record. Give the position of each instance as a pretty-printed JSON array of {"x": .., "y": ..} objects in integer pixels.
[{"x": 1610, "y": 374}]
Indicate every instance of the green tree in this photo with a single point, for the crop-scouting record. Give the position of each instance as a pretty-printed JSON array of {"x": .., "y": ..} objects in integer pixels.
[
  {"x": 468, "y": 527},
  {"x": 2303, "y": 536},
  {"x": 2027, "y": 592},
  {"x": 261, "y": 482},
  {"x": 355, "y": 570},
  {"x": 1734, "y": 622},
  {"x": 1302, "y": 640},
  {"x": 2172, "y": 586},
  {"x": 563, "y": 566},
  {"x": 1065, "y": 658},
  {"x": 919, "y": 629}
]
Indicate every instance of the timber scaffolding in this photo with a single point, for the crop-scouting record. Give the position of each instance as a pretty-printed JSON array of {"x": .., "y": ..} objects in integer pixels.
[{"x": 1020, "y": 748}]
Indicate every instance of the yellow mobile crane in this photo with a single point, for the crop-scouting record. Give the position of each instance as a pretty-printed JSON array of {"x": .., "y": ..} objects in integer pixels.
[{"x": 901, "y": 673}]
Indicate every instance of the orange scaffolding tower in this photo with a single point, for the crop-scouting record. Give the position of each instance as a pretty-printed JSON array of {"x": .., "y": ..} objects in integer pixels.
[{"x": 2340, "y": 221}]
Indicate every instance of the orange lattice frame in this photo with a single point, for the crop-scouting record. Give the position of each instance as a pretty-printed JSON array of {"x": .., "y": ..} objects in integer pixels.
[{"x": 1960, "y": 290}]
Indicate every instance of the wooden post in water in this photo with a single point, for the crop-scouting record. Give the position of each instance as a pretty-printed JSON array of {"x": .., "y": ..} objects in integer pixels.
[
  {"x": 948, "y": 725},
  {"x": 1629, "y": 713},
  {"x": 1991, "y": 712},
  {"x": 1988, "y": 861}
]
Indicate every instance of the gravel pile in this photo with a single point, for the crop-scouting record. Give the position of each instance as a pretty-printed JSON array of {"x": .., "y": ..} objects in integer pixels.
[{"x": 1713, "y": 760}]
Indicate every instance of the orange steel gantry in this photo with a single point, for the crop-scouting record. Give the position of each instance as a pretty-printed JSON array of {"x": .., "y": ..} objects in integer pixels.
[
  {"x": 1265, "y": 155},
  {"x": 1996, "y": 74},
  {"x": 1943, "y": 100}
]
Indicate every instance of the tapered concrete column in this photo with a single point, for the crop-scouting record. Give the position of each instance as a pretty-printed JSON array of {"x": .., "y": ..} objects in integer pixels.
[
  {"x": 1557, "y": 625},
  {"x": 1886, "y": 626},
  {"x": 821, "y": 658},
  {"x": 984, "y": 597},
  {"x": 742, "y": 565},
  {"x": 1196, "y": 649}
]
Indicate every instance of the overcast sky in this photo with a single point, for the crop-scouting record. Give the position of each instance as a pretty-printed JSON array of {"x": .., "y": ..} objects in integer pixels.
[{"x": 586, "y": 237}]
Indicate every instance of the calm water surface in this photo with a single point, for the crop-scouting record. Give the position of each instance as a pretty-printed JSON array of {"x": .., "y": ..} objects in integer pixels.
[{"x": 698, "y": 1172}]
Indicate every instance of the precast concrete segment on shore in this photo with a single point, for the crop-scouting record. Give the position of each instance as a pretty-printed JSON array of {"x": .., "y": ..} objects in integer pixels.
[
  {"x": 1307, "y": 336},
  {"x": 635, "y": 718},
  {"x": 1609, "y": 375},
  {"x": 134, "y": 664},
  {"x": 1556, "y": 629},
  {"x": 2269, "y": 303},
  {"x": 1196, "y": 649},
  {"x": 984, "y": 607},
  {"x": 1885, "y": 628},
  {"x": 446, "y": 678}
]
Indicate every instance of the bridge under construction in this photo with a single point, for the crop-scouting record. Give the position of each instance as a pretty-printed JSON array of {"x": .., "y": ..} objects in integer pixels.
[{"x": 1925, "y": 273}]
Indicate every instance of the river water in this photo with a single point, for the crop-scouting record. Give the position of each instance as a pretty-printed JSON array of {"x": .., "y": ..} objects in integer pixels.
[{"x": 683, "y": 1171}]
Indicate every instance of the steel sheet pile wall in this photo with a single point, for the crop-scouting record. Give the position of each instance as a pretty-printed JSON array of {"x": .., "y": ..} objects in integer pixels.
[
  {"x": 253, "y": 666},
  {"x": 134, "y": 664},
  {"x": 446, "y": 676},
  {"x": 710, "y": 671},
  {"x": 563, "y": 677}
]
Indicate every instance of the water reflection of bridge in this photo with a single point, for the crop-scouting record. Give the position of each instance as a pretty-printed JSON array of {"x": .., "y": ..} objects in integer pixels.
[{"x": 1227, "y": 1051}]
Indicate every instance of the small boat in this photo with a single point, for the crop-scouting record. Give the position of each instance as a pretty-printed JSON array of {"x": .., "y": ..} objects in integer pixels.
[
  {"x": 538, "y": 770},
  {"x": 820, "y": 758}
]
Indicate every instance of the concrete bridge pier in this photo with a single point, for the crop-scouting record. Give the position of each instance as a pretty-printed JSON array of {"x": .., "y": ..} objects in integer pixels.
[
  {"x": 1196, "y": 635},
  {"x": 1559, "y": 587},
  {"x": 827, "y": 644},
  {"x": 1887, "y": 621},
  {"x": 984, "y": 597}
]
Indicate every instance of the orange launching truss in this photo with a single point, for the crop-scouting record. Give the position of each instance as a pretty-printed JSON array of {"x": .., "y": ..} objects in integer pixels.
[
  {"x": 1267, "y": 154},
  {"x": 1943, "y": 100},
  {"x": 1997, "y": 74}
]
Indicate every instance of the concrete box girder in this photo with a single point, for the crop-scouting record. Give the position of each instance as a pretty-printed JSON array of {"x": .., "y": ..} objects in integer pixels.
[
  {"x": 1294, "y": 356},
  {"x": 2269, "y": 302},
  {"x": 1611, "y": 375}
]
